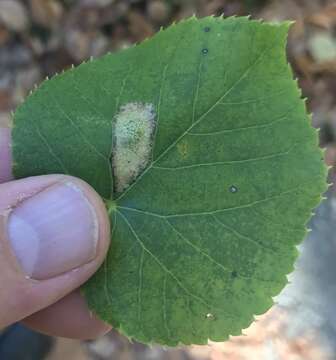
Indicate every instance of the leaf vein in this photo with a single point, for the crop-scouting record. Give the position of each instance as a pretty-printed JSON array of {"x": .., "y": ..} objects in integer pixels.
[
  {"x": 235, "y": 84},
  {"x": 86, "y": 100},
  {"x": 241, "y": 236},
  {"x": 140, "y": 283},
  {"x": 71, "y": 121},
  {"x": 164, "y": 268},
  {"x": 209, "y": 257},
  {"x": 253, "y": 101},
  {"x": 197, "y": 90},
  {"x": 266, "y": 157},
  {"x": 247, "y": 205},
  {"x": 55, "y": 156},
  {"x": 257, "y": 126},
  {"x": 164, "y": 305},
  {"x": 158, "y": 111},
  {"x": 106, "y": 290},
  {"x": 245, "y": 73}
]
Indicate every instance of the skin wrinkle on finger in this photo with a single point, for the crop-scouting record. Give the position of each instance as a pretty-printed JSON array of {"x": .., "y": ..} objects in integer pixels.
[{"x": 21, "y": 296}]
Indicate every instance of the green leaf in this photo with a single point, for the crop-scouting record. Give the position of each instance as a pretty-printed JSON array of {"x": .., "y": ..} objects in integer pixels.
[{"x": 225, "y": 171}]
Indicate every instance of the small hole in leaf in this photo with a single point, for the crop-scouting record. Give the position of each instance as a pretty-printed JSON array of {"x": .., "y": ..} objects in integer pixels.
[
  {"x": 233, "y": 189},
  {"x": 207, "y": 29},
  {"x": 234, "y": 274},
  {"x": 205, "y": 51},
  {"x": 210, "y": 316}
]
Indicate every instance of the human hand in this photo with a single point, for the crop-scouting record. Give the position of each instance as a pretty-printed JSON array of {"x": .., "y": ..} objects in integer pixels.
[{"x": 54, "y": 234}]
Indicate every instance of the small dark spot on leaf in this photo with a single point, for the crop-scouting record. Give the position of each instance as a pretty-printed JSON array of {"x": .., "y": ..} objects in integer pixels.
[
  {"x": 207, "y": 29},
  {"x": 233, "y": 189},
  {"x": 205, "y": 51},
  {"x": 234, "y": 274}
]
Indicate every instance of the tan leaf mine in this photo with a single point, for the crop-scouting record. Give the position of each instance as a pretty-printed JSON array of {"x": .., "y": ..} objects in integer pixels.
[{"x": 134, "y": 127}]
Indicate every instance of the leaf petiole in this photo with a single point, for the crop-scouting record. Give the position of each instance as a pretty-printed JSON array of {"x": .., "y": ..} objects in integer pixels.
[{"x": 111, "y": 205}]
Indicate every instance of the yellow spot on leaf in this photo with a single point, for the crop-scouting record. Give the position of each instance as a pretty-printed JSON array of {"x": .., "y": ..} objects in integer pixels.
[{"x": 183, "y": 149}]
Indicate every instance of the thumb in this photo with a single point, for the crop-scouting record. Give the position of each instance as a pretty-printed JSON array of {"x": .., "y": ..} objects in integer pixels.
[{"x": 54, "y": 234}]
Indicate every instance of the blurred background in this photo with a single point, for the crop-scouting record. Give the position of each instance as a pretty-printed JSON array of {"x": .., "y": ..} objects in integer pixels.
[{"x": 41, "y": 37}]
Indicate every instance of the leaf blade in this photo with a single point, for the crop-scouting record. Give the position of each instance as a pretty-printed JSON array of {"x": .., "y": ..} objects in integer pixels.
[{"x": 205, "y": 236}]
